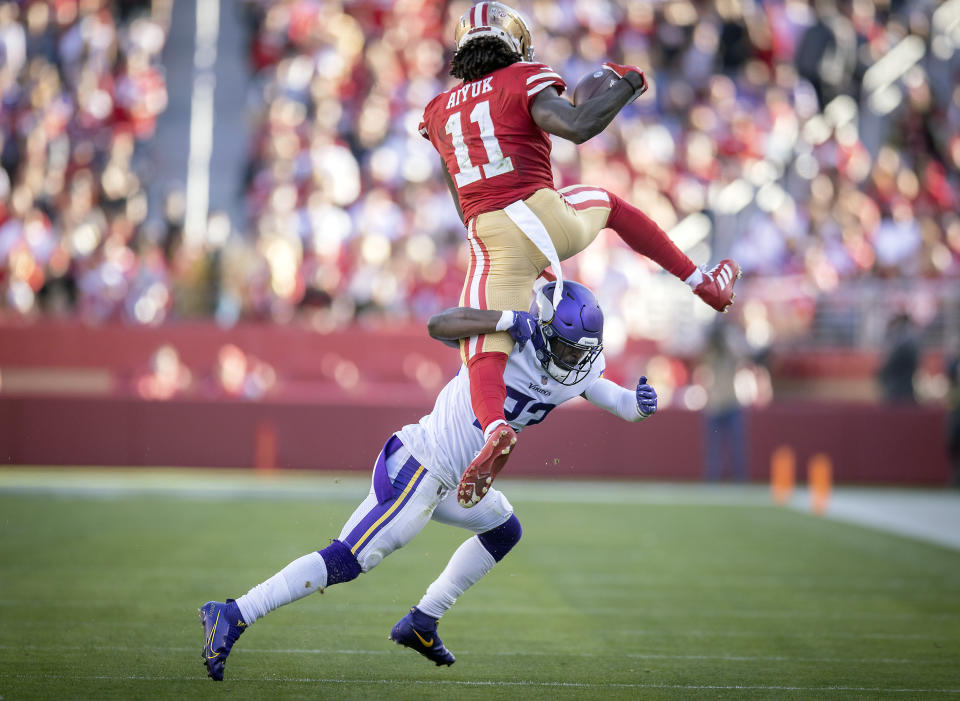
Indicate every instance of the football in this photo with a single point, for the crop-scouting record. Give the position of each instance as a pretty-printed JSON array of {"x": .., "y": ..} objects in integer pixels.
[{"x": 593, "y": 84}]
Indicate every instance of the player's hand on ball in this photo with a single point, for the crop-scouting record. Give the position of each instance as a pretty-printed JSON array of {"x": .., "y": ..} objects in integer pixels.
[
  {"x": 523, "y": 327},
  {"x": 646, "y": 398},
  {"x": 638, "y": 82}
]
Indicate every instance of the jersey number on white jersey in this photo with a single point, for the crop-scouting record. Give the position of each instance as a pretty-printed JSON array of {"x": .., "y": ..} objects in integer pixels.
[
  {"x": 535, "y": 413},
  {"x": 496, "y": 163}
]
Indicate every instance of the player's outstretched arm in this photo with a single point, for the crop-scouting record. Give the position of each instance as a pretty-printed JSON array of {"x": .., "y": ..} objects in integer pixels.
[
  {"x": 630, "y": 405},
  {"x": 450, "y": 325},
  {"x": 578, "y": 123}
]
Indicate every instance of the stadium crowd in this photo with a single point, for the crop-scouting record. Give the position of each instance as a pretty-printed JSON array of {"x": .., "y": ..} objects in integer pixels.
[
  {"x": 81, "y": 90},
  {"x": 773, "y": 133}
]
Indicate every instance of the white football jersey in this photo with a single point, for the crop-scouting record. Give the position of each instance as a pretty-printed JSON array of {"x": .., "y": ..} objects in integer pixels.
[{"x": 447, "y": 439}]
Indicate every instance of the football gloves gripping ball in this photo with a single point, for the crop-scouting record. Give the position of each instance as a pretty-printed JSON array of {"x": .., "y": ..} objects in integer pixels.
[{"x": 633, "y": 75}]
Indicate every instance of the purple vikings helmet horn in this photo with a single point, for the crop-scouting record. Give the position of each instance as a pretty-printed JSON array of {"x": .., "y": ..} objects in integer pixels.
[
  {"x": 497, "y": 20},
  {"x": 573, "y": 332}
]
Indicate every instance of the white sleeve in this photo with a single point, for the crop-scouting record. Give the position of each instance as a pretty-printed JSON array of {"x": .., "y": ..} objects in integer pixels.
[{"x": 618, "y": 400}]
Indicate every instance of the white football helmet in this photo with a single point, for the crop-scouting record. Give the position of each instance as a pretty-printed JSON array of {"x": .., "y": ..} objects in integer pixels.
[{"x": 486, "y": 19}]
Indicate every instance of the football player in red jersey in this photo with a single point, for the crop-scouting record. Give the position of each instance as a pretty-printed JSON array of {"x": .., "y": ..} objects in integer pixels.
[{"x": 493, "y": 133}]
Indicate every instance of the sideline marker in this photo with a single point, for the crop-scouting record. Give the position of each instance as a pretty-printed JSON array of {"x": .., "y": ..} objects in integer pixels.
[
  {"x": 782, "y": 474},
  {"x": 820, "y": 479}
]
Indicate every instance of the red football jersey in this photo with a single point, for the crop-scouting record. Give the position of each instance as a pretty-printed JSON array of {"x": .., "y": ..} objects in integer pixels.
[{"x": 495, "y": 152}]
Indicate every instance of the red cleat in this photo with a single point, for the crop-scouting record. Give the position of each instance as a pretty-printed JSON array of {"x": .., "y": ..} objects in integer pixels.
[
  {"x": 717, "y": 286},
  {"x": 490, "y": 460}
]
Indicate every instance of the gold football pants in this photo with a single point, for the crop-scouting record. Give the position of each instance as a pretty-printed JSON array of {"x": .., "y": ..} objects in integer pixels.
[{"x": 510, "y": 247}]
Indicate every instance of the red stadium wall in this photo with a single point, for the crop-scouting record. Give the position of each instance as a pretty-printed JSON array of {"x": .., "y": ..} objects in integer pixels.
[
  {"x": 866, "y": 444},
  {"x": 313, "y": 419}
]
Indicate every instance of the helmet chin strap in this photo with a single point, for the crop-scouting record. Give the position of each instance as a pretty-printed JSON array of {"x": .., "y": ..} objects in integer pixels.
[
  {"x": 555, "y": 372},
  {"x": 563, "y": 376}
]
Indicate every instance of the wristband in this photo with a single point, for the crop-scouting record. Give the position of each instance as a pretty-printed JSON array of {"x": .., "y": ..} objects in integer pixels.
[{"x": 506, "y": 321}]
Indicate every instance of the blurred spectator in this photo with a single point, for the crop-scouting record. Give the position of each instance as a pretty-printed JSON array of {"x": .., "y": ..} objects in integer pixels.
[
  {"x": 733, "y": 131},
  {"x": 827, "y": 53},
  {"x": 756, "y": 140},
  {"x": 724, "y": 420},
  {"x": 900, "y": 360},
  {"x": 13, "y": 39},
  {"x": 80, "y": 93}
]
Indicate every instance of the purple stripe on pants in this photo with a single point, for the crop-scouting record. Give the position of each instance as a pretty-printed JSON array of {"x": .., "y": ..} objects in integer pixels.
[
  {"x": 404, "y": 486},
  {"x": 382, "y": 486}
]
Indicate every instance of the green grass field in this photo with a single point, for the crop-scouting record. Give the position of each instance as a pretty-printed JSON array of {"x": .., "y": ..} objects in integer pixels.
[{"x": 615, "y": 591}]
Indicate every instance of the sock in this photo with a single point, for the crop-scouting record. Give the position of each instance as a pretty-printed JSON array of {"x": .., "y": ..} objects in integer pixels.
[
  {"x": 467, "y": 565},
  {"x": 644, "y": 236},
  {"x": 487, "y": 391},
  {"x": 492, "y": 426},
  {"x": 342, "y": 566},
  {"x": 303, "y": 576},
  {"x": 500, "y": 540},
  {"x": 696, "y": 277}
]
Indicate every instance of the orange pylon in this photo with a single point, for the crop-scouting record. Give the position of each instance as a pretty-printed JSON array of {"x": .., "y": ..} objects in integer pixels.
[
  {"x": 782, "y": 474},
  {"x": 265, "y": 447},
  {"x": 820, "y": 480}
]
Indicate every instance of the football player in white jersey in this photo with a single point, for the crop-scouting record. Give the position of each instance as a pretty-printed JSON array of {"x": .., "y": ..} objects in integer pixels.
[{"x": 557, "y": 356}]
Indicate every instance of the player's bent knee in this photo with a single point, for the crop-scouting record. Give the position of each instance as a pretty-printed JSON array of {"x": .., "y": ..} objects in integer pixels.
[{"x": 500, "y": 540}]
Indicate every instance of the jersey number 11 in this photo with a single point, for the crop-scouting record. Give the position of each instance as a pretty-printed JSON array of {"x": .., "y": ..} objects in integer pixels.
[{"x": 496, "y": 163}]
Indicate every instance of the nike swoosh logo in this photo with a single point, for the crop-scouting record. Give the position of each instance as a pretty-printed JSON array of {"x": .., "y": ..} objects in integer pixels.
[
  {"x": 430, "y": 644},
  {"x": 209, "y": 641}
]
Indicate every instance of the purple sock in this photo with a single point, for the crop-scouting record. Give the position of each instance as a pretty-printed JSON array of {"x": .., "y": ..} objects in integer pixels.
[
  {"x": 342, "y": 566},
  {"x": 500, "y": 540}
]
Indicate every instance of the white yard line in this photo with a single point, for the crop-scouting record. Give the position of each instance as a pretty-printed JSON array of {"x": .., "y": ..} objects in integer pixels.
[
  {"x": 928, "y": 515},
  {"x": 505, "y": 684},
  {"x": 819, "y": 615},
  {"x": 694, "y": 633},
  {"x": 924, "y": 514},
  {"x": 503, "y": 653},
  {"x": 304, "y": 485}
]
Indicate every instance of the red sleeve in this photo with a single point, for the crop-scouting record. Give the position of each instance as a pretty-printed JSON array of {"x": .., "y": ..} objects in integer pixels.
[
  {"x": 423, "y": 128},
  {"x": 537, "y": 77}
]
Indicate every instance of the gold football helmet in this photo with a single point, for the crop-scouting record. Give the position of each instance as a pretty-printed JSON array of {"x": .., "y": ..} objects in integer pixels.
[{"x": 497, "y": 20}]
